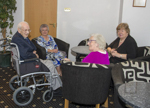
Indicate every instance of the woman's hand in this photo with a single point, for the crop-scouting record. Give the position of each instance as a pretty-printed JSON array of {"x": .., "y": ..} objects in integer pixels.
[
  {"x": 53, "y": 51},
  {"x": 66, "y": 59},
  {"x": 114, "y": 53},
  {"x": 112, "y": 50}
]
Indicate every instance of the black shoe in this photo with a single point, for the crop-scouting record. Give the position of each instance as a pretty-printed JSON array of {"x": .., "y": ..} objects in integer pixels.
[{"x": 58, "y": 92}]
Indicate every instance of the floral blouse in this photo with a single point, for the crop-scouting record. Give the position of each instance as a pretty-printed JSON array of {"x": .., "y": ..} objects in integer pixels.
[{"x": 51, "y": 44}]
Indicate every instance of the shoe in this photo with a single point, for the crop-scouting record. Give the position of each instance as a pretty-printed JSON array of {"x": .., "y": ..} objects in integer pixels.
[{"x": 58, "y": 92}]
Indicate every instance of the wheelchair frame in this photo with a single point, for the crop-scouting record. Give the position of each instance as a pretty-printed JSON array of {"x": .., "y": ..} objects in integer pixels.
[{"x": 23, "y": 94}]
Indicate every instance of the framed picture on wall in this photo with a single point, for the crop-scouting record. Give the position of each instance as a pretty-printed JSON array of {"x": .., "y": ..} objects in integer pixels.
[{"x": 139, "y": 3}]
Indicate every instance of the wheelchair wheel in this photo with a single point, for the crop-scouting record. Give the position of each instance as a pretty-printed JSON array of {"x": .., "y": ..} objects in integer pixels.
[
  {"x": 40, "y": 81},
  {"x": 22, "y": 96},
  {"x": 14, "y": 83},
  {"x": 48, "y": 95}
]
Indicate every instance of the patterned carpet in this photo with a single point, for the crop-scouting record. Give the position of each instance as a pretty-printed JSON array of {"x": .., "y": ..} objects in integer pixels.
[{"x": 6, "y": 94}]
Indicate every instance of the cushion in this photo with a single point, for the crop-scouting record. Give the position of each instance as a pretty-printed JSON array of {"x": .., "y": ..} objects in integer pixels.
[
  {"x": 138, "y": 71},
  {"x": 80, "y": 64},
  {"x": 27, "y": 68}
]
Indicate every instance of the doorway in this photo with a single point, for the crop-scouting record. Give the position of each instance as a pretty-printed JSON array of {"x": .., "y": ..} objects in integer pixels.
[{"x": 39, "y": 12}]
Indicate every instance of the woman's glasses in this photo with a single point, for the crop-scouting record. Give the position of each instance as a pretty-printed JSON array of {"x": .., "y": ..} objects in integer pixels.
[{"x": 91, "y": 41}]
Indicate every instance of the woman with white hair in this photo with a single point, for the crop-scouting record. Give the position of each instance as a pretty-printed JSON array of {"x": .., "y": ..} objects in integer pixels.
[{"x": 98, "y": 53}]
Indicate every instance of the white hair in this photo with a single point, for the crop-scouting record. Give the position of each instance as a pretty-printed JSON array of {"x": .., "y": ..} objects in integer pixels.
[
  {"x": 20, "y": 24},
  {"x": 100, "y": 40}
]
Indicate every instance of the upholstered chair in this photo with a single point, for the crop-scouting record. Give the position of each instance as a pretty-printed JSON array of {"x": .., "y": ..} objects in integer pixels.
[
  {"x": 62, "y": 46},
  {"x": 124, "y": 72},
  {"x": 85, "y": 83},
  {"x": 143, "y": 53}
]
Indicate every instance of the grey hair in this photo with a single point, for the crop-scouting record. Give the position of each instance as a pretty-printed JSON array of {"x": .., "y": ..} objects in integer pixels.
[
  {"x": 20, "y": 24},
  {"x": 43, "y": 26},
  {"x": 100, "y": 40}
]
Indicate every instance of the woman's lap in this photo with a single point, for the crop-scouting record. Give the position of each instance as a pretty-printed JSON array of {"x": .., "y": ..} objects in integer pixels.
[{"x": 57, "y": 57}]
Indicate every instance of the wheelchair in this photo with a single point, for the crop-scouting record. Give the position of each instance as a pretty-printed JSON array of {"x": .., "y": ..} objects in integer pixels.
[{"x": 26, "y": 70}]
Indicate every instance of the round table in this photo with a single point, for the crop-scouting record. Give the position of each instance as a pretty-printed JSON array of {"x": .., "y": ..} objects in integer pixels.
[
  {"x": 81, "y": 49},
  {"x": 135, "y": 94}
]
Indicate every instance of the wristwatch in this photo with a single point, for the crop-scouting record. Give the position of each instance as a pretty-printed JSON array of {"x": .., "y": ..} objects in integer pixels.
[{"x": 120, "y": 55}]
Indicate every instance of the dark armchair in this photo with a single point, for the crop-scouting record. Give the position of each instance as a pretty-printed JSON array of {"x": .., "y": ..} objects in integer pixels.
[
  {"x": 62, "y": 46},
  {"x": 85, "y": 83},
  {"x": 127, "y": 71},
  {"x": 143, "y": 53}
]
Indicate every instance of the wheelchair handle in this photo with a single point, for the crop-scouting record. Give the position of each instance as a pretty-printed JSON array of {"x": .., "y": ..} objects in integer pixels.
[
  {"x": 4, "y": 45},
  {"x": 3, "y": 39}
]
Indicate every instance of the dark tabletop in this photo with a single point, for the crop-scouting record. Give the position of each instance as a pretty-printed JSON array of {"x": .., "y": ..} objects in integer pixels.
[
  {"x": 81, "y": 49},
  {"x": 135, "y": 94}
]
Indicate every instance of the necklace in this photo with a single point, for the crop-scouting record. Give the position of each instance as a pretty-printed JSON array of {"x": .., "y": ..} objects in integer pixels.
[{"x": 121, "y": 40}]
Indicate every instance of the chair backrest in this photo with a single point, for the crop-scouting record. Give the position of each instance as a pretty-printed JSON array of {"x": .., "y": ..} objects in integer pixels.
[
  {"x": 40, "y": 50},
  {"x": 135, "y": 71},
  {"x": 85, "y": 83},
  {"x": 143, "y": 51},
  {"x": 83, "y": 42},
  {"x": 63, "y": 46}
]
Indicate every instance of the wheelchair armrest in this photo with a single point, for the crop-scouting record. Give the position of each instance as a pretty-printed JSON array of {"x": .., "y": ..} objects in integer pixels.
[{"x": 32, "y": 59}]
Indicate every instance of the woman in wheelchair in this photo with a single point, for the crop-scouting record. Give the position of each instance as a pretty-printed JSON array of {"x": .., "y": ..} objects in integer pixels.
[{"x": 52, "y": 52}]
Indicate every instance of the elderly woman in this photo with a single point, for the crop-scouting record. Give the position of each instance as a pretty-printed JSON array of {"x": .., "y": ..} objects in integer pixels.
[
  {"x": 98, "y": 53},
  {"x": 52, "y": 52},
  {"x": 124, "y": 47}
]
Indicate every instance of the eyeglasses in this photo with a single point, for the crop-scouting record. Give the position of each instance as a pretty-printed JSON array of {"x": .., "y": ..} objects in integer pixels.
[
  {"x": 91, "y": 41},
  {"x": 27, "y": 30},
  {"x": 44, "y": 30}
]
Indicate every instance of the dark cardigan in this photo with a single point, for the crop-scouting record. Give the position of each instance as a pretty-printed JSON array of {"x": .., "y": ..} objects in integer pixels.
[{"x": 129, "y": 47}]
